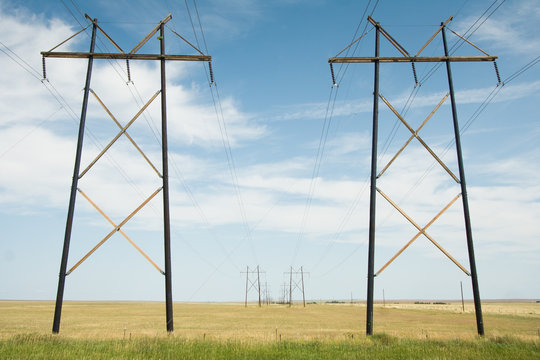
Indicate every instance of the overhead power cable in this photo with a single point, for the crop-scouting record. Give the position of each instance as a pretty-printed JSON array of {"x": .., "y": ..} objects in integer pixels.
[
  {"x": 226, "y": 142},
  {"x": 334, "y": 90},
  {"x": 34, "y": 128},
  {"x": 489, "y": 98}
]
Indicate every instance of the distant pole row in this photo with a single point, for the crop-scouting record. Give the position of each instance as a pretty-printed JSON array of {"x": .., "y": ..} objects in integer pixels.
[{"x": 296, "y": 282}]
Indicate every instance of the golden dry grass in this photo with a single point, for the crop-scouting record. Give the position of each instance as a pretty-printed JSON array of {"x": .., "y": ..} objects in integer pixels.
[{"x": 224, "y": 321}]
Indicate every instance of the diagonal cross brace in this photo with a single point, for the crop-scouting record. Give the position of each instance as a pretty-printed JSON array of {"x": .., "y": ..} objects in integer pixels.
[
  {"x": 253, "y": 283},
  {"x": 422, "y": 231},
  {"x": 104, "y": 33},
  {"x": 126, "y": 133},
  {"x": 414, "y": 133},
  {"x": 150, "y": 34},
  {"x": 433, "y": 36},
  {"x": 117, "y": 228},
  {"x": 392, "y": 41},
  {"x": 121, "y": 231},
  {"x": 412, "y": 136},
  {"x": 122, "y": 131}
]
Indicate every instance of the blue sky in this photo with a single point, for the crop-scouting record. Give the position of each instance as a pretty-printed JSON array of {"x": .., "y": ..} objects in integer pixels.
[{"x": 270, "y": 61}]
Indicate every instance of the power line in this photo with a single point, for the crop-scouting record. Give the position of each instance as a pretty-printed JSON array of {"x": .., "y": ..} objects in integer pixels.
[
  {"x": 64, "y": 105},
  {"x": 216, "y": 100},
  {"x": 37, "y": 126},
  {"x": 489, "y": 98},
  {"x": 325, "y": 131},
  {"x": 20, "y": 61}
]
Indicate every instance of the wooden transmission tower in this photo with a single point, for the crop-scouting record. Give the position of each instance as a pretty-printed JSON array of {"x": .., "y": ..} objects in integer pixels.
[
  {"x": 254, "y": 283},
  {"x": 77, "y": 174},
  {"x": 296, "y": 282},
  {"x": 407, "y": 58}
]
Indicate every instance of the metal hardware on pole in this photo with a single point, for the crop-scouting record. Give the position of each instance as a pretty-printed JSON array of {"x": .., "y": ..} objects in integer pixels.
[
  {"x": 464, "y": 197},
  {"x": 373, "y": 192},
  {"x": 73, "y": 196},
  {"x": 165, "y": 173}
]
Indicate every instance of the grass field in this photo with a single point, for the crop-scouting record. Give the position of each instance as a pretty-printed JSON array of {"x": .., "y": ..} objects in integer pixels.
[{"x": 218, "y": 330}]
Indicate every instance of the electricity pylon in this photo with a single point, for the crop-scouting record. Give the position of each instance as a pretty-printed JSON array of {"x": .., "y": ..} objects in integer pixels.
[
  {"x": 92, "y": 55},
  {"x": 407, "y": 58}
]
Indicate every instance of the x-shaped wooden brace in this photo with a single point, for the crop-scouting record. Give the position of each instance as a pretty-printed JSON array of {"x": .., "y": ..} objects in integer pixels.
[
  {"x": 421, "y": 231},
  {"x": 123, "y": 131},
  {"x": 117, "y": 228},
  {"x": 297, "y": 284},
  {"x": 415, "y": 135},
  {"x": 253, "y": 284}
]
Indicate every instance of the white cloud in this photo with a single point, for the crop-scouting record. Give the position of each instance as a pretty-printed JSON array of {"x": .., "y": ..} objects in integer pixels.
[
  {"x": 34, "y": 174},
  {"x": 509, "y": 29}
]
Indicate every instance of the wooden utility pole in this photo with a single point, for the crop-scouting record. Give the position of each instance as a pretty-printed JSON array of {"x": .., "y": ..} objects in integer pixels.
[
  {"x": 462, "y": 300},
  {"x": 259, "y": 285},
  {"x": 303, "y": 292},
  {"x": 406, "y": 57},
  {"x": 77, "y": 174},
  {"x": 290, "y": 288},
  {"x": 247, "y": 279},
  {"x": 73, "y": 196}
]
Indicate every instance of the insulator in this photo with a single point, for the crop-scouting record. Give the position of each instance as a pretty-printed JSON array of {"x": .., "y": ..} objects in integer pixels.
[
  {"x": 332, "y": 73},
  {"x": 414, "y": 73},
  {"x": 128, "y": 71},
  {"x": 211, "y": 72},
  {"x": 497, "y": 72},
  {"x": 44, "y": 68}
]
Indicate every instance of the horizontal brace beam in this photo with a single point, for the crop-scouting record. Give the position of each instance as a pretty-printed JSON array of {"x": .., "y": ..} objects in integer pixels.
[
  {"x": 86, "y": 55},
  {"x": 410, "y": 59}
]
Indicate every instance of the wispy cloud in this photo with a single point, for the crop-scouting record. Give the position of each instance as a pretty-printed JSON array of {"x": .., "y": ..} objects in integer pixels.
[{"x": 509, "y": 29}]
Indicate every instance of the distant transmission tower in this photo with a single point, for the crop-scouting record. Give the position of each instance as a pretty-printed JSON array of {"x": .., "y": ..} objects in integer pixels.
[
  {"x": 253, "y": 282},
  {"x": 284, "y": 293},
  {"x": 162, "y": 57},
  {"x": 407, "y": 58},
  {"x": 296, "y": 282}
]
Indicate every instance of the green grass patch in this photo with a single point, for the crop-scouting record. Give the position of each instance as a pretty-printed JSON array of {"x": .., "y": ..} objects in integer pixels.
[{"x": 379, "y": 346}]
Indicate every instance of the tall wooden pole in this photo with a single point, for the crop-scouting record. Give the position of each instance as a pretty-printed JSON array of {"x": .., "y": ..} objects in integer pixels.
[
  {"x": 290, "y": 288},
  {"x": 73, "y": 195},
  {"x": 303, "y": 292},
  {"x": 373, "y": 192},
  {"x": 259, "y": 285},
  {"x": 464, "y": 197},
  {"x": 247, "y": 278},
  {"x": 462, "y": 299},
  {"x": 166, "y": 216}
]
